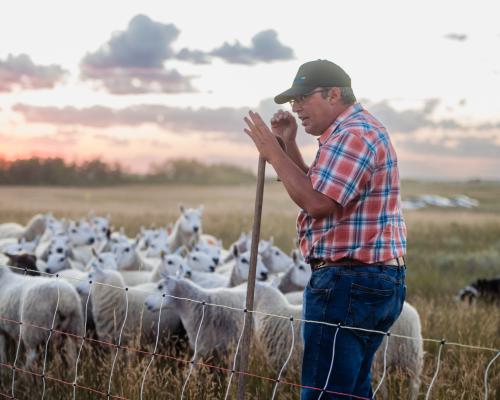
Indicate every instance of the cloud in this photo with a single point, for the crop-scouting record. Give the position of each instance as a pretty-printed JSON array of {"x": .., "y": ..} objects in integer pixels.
[
  {"x": 466, "y": 147},
  {"x": 145, "y": 44},
  {"x": 193, "y": 56},
  {"x": 19, "y": 72},
  {"x": 121, "y": 81},
  {"x": 265, "y": 48},
  {"x": 407, "y": 121},
  {"x": 459, "y": 37},
  {"x": 132, "y": 61},
  {"x": 113, "y": 141},
  {"x": 220, "y": 122},
  {"x": 226, "y": 123}
]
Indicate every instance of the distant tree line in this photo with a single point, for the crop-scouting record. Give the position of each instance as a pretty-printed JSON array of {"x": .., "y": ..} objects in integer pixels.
[{"x": 57, "y": 172}]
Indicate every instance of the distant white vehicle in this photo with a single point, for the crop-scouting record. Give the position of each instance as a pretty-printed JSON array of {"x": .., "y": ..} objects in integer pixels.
[
  {"x": 462, "y": 200},
  {"x": 425, "y": 200}
]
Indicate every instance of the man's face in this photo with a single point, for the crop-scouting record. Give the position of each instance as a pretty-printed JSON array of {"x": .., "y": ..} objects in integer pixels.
[{"x": 316, "y": 112}]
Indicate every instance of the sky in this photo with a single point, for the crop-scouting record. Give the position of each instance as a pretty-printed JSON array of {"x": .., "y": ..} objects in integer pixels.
[{"x": 142, "y": 82}]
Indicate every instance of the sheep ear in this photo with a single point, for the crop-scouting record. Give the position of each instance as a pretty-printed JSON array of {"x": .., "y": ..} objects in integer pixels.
[
  {"x": 181, "y": 208},
  {"x": 271, "y": 240},
  {"x": 193, "y": 241},
  {"x": 219, "y": 243},
  {"x": 136, "y": 242},
  {"x": 236, "y": 252},
  {"x": 94, "y": 253},
  {"x": 201, "y": 208},
  {"x": 184, "y": 251},
  {"x": 295, "y": 256},
  {"x": 162, "y": 255},
  {"x": 169, "y": 229},
  {"x": 180, "y": 272}
]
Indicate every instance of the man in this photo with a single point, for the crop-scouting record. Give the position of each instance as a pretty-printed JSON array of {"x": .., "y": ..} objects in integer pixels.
[{"x": 350, "y": 226}]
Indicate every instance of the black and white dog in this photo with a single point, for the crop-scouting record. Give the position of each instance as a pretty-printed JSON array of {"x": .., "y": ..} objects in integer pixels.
[{"x": 484, "y": 289}]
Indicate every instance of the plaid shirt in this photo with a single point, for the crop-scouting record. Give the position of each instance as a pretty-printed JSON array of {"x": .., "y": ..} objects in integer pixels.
[{"x": 357, "y": 167}]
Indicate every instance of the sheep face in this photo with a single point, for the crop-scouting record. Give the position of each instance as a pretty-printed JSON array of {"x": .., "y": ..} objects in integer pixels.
[
  {"x": 125, "y": 255},
  {"x": 243, "y": 266},
  {"x": 174, "y": 265},
  {"x": 199, "y": 261},
  {"x": 100, "y": 266},
  {"x": 157, "y": 246},
  {"x": 56, "y": 262},
  {"x": 212, "y": 250},
  {"x": 60, "y": 244},
  {"x": 300, "y": 273},
  {"x": 103, "y": 261},
  {"x": 275, "y": 259},
  {"x": 81, "y": 234},
  {"x": 100, "y": 226},
  {"x": 190, "y": 220},
  {"x": 162, "y": 298}
]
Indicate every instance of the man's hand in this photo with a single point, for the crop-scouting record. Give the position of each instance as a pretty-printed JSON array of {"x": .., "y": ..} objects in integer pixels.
[
  {"x": 284, "y": 125},
  {"x": 265, "y": 141}
]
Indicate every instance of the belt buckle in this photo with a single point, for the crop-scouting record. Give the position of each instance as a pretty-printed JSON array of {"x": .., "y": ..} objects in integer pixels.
[{"x": 318, "y": 265}]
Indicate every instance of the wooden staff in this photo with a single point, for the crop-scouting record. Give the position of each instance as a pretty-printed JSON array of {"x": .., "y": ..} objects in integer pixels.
[{"x": 247, "y": 334}]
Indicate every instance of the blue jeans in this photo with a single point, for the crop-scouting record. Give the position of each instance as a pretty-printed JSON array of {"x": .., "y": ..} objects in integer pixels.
[{"x": 369, "y": 297}]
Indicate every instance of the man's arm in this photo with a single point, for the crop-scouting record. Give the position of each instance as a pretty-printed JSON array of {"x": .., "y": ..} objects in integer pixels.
[
  {"x": 294, "y": 153},
  {"x": 296, "y": 182}
]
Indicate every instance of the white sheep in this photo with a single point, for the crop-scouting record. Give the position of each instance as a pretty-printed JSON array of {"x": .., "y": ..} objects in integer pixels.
[
  {"x": 405, "y": 355},
  {"x": 18, "y": 246},
  {"x": 273, "y": 335},
  {"x": 221, "y": 327},
  {"x": 186, "y": 228},
  {"x": 109, "y": 307},
  {"x": 171, "y": 264},
  {"x": 273, "y": 257},
  {"x": 297, "y": 276},
  {"x": 33, "y": 301},
  {"x": 212, "y": 249},
  {"x": 55, "y": 243},
  {"x": 295, "y": 297},
  {"x": 128, "y": 258},
  {"x": 241, "y": 267},
  {"x": 33, "y": 229}
]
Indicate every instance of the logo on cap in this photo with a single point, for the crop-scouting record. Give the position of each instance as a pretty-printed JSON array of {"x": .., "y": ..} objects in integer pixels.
[{"x": 299, "y": 79}]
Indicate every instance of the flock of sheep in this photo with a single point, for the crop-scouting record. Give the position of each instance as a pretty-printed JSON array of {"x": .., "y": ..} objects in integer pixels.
[{"x": 174, "y": 280}]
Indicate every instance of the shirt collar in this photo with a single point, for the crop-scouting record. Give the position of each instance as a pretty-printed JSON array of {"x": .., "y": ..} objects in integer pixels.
[{"x": 346, "y": 114}]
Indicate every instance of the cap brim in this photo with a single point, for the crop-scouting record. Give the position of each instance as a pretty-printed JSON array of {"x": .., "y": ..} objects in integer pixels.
[{"x": 289, "y": 94}]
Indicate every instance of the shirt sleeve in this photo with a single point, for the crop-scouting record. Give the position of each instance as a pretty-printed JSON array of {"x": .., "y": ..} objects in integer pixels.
[{"x": 343, "y": 167}]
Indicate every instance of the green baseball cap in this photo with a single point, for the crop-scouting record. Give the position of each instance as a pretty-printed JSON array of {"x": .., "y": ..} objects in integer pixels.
[{"x": 314, "y": 74}]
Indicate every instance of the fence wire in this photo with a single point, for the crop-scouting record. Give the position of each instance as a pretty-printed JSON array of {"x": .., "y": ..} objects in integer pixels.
[{"x": 192, "y": 362}]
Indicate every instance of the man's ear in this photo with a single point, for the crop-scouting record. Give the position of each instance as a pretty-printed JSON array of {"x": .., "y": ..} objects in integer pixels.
[{"x": 334, "y": 95}]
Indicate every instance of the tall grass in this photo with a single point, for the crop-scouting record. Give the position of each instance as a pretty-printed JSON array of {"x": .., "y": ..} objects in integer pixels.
[{"x": 447, "y": 249}]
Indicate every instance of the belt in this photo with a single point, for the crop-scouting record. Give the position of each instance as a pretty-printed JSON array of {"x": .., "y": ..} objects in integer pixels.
[{"x": 317, "y": 263}]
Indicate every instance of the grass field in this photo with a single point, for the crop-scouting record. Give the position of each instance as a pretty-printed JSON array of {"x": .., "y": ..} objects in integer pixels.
[{"x": 447, "y": 249}]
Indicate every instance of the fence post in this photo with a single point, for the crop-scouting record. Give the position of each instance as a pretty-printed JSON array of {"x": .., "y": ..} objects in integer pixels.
[{"x": 247, "y": 335}]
